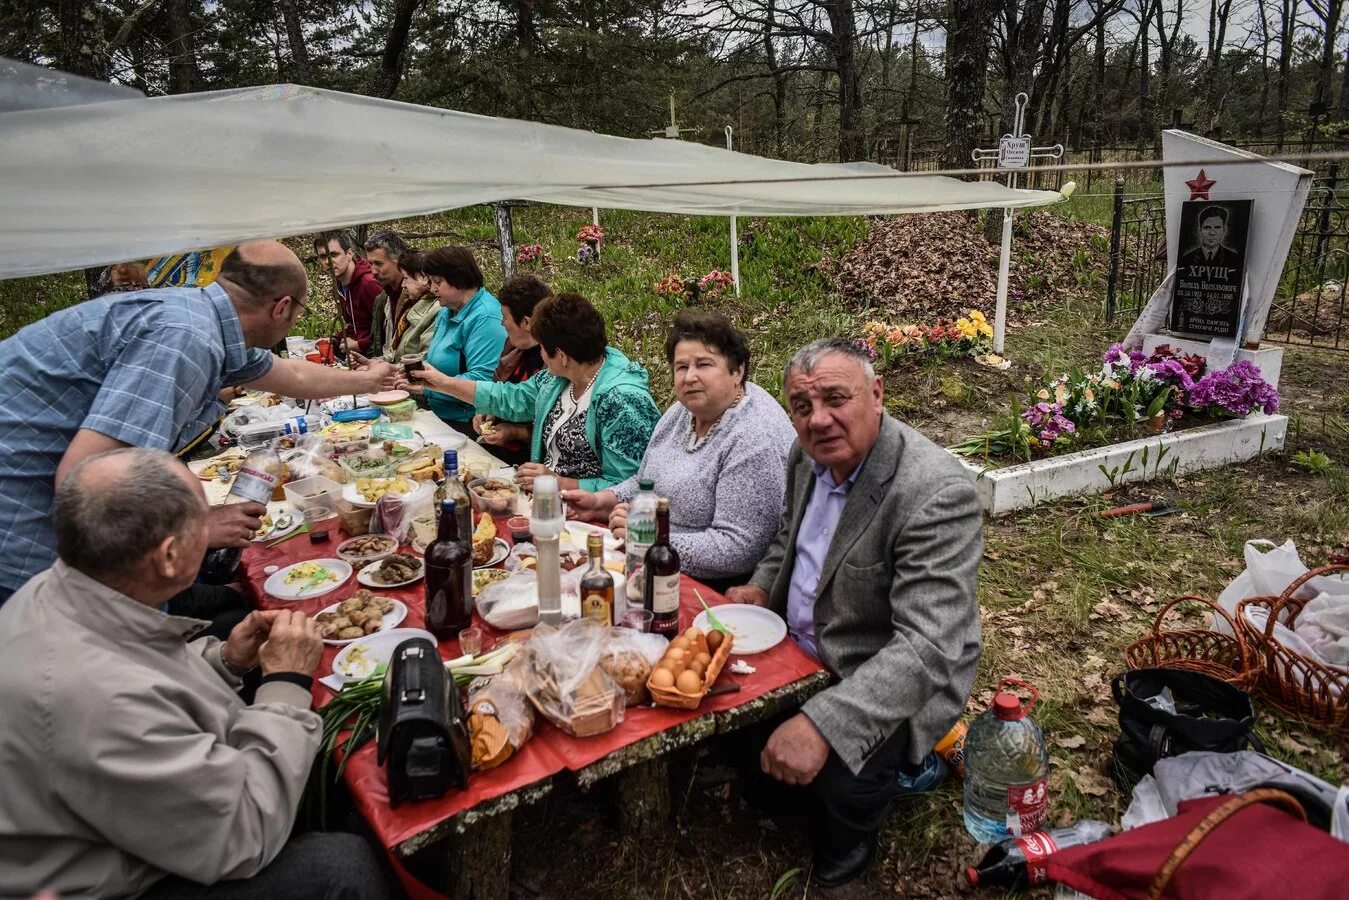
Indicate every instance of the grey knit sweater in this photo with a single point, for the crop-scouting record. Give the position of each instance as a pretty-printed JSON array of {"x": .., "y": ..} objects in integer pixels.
[{"x": 725, "y": 497}]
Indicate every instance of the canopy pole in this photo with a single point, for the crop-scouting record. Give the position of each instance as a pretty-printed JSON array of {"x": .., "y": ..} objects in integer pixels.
[
  {"x": 595, "y": 216},
  {"x": 1004, "y": 271},
  {"x": 735, "y": 237}
]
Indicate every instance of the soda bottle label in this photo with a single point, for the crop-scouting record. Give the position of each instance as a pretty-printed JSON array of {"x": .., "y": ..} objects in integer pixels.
[
  {"x": 251, "y": 484},
  {"x": 1027, "y": 806},
  {"x": 1037, "y": 848}
]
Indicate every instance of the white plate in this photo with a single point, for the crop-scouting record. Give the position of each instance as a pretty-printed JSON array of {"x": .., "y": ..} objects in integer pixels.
[
  {"x": 296, "y": 521},
  {"x": 388, "y": 623},
  {"x": 277, "y": 587},
  {"x": 503, "y": 550},
  {"x": 755, "y": 629},
  {"x": 356, "y": 498},
  {"x": 378, "y": 647},
  {"x": 365, "y": 577},
  {"x": 581, "y": 532}
]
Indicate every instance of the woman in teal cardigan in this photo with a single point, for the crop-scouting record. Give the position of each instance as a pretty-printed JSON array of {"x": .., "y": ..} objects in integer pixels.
[{"x": 592, "y": 410}]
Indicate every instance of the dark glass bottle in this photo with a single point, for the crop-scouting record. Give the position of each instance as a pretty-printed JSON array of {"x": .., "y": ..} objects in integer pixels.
[
  {"x": 449, "y": 577},
  {"x": 660, "y": 592},
  {"x": 597, "y": 585}
]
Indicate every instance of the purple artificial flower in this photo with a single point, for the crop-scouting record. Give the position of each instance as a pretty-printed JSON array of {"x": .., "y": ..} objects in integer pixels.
[
  {"x": 1239, "y": 390},
  {"x": 1170, "y": 371},
  {"x": 866, "y": 348}
]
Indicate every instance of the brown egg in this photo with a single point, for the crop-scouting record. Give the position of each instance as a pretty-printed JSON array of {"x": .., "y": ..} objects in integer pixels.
[
  {"x": 693, "y": 633},
  {"x": 704, "y": 658},
  {"x": 699, "y": 667},
  {"x": 662, "y": 678},
  {"x": 680, "y": 643},
  {"x": 676, "y": 654},
  {"x": 689, "y": 682}
]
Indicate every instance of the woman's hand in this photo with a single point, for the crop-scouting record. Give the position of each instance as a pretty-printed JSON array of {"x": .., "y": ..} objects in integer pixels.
[
  {"x": 495, "y": 433},
  {"x": 526, "y": 474},
  {"x": 618, "y": 521},
  {"x": 588, "y": 507},
  {"x": 412, "y": 387},
  {"x": 429, "y": 377}
]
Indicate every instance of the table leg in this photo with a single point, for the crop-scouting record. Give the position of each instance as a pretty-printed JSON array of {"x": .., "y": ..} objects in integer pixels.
[
  {"x": 642, "y": 793},
  {"x": 480, "y": 859}
]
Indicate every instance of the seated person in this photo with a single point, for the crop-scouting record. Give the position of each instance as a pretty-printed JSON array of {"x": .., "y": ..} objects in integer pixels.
[
  {"x": 520, "y": 359},
  {"x": 411, "y": 329},
  {"x": 590, "y": 406},
  {"x": 874, "y": 570},
  {"x": 383, "y": 251},
  {"x": 131, "y": 766},
  {"x": 719, "y": 454},
  {"x": 356, "y": 287}
]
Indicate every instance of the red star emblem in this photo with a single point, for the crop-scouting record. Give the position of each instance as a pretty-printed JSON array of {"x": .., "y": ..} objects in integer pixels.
[{"x": 1200, "y": 187}]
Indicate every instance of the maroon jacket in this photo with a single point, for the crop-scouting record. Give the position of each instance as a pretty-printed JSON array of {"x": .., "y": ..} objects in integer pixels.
[{"x": 356, "y": 303}]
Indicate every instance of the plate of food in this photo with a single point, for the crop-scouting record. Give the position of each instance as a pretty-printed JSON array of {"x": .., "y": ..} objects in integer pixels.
[
  {"x": 366, "y": 491},
  {"x": 500, "y": 550},
  {"x": 483, "y": 577},
  {"x": 278, "y": 525},
  {"x": 368, "y": 655},
  {"x": 392, "y": 571},
  {"x": 580, "y": 533},
  {"x": 303, "y": 580},
  {"x": 222, "y": 466},
  {"x": 755, "y": 628},
  {"x": 361, "y": 614}
]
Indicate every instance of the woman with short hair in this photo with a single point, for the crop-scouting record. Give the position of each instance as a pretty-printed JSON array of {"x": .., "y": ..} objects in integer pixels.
[
  {"x": 591, "y": 408},
  {"x": 719, "y": 454},
  {"x": 414, "y": 322},
  {"x": 520, "y": 359}
]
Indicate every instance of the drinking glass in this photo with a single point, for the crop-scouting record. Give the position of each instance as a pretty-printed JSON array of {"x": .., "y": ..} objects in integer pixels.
[
  {"x": 470, "y": 641},
  {"x": 638, "y": 620}
]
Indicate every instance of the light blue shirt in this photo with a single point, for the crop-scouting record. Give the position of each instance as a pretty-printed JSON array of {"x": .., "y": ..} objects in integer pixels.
[
  {"x": 466, "y": 344},
  {"x": 819, "y": 523},
  {"x": 143, "y": 368}
]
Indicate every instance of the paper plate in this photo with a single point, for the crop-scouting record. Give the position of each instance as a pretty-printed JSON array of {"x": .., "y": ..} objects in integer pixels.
[
  {"x": 377, "y": 648},
  {"x": 388, "y": 623},
  {"x": 754, "y": 628},
  {"x": 277, "y": 587}
]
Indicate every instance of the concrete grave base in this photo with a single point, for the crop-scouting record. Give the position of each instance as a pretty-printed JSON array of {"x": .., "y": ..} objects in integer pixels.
[{"x": 1024, "y": 485}]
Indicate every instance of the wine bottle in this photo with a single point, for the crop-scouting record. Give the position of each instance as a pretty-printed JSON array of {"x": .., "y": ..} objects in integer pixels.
[
  {"x": 449, "y": 577},
  {"x": 661, "y": 589}
]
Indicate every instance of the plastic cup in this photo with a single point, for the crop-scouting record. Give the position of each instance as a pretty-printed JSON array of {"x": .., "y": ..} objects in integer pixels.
[
  {"x": 518, "y": 526},
  {"x": 413, "y": 362},
  {"x": 470, "y": 641},
  {"x": 638, "y": 620}
]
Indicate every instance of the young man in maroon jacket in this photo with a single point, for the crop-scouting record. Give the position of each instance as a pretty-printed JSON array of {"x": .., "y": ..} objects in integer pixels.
[{"x": 356, "y": 286}]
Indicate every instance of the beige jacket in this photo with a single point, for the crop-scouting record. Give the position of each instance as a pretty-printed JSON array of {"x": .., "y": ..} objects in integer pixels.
[{"x": 125, "y": 753}]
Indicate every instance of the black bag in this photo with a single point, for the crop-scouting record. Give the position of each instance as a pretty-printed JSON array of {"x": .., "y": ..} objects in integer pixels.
[
  {"x": 1210, "y": 715},
  {"x": 422, "y": 732}
]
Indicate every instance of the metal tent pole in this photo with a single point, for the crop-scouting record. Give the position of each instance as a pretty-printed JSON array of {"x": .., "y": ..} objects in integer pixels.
[{"x": 735, "y": 237}]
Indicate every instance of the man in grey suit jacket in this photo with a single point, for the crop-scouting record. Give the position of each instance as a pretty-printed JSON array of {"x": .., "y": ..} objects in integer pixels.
[{"x": 874, "y": 569}]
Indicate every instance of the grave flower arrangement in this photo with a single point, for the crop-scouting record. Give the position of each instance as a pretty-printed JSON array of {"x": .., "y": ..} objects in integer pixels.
[
  {"x": 591, "y": 239},
  {"x": 969, "y": 335},
  {"x": 532, "y": 255},
  {"x": 715, "y": 283},
  {"x": 670, "y": 284}
]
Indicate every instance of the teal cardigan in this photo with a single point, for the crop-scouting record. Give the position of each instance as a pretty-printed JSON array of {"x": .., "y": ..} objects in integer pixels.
[{"x": 619, "y": 420}]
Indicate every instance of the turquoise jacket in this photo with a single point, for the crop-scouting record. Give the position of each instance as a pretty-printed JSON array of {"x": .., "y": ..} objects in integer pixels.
[
  {"x": 466, "y": 344},
  {"x": 619, "y": 420}
]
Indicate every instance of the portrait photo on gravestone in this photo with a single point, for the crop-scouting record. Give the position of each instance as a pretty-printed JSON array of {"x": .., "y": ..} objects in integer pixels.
[{"x": 1210, "y": 268}]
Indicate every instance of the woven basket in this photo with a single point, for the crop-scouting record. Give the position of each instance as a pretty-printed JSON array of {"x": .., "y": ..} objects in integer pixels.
[
  {"x": 1299, "y": 686},
  {"x": 1212, "y": 653}
]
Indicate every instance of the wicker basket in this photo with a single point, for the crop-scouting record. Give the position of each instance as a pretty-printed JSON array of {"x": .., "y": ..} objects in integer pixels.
[
  {"x": 1299, "y": 686},
  {"x": 1212, "y": 653}
]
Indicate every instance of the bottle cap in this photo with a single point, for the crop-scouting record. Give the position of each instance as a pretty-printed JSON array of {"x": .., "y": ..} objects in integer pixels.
[
  {"x": 972, "y": 874},
  {"x": 646, "y": 484},
  {"x": 1007, "y": 706},
  {"x": 451, "y": 461}
]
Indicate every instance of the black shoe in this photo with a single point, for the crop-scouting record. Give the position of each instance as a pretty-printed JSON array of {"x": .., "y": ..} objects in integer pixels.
[{"x": 834, "y": 867}]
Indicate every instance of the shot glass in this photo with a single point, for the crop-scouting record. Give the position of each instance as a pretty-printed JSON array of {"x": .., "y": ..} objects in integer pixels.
[
  {"x": 470, "y": 641},
  {"x": 638, "y": 620}
]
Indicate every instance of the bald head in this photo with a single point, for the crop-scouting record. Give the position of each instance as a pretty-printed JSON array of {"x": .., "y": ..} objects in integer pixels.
[
  {"x": 258, "y": 272},
  {"x": 116, "y": 507}
]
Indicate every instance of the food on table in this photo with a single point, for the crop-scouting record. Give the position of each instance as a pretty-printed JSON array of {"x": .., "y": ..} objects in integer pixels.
[
  {"x": 366, "y": 549},
  {"x": 397, "y": 569},
  {"x": 662, "y": 678},
  {"x": 310, "y": 572},
  {"x": 223, "y": 466},
  {"x": 374, "y": 488},
  {"x": 483, "y": 577},
  {"x": 484, "y": 540},
  {"x": 629, "y": 670},
  {"x": 361, "y": 614},
  {"x": 714, "y": 639},
  {"x": 423, "y": 467},
  {"x": 495, "y": 489},
  {"x": 279, "y": 525},
  {"x": 489, "y": 424},
  {"x": 683, "y": 675},
  {"x": 359, "y": 663}
]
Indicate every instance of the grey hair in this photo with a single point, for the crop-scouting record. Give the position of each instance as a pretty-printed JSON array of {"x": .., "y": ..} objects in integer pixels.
[
  {"x": 107, "y": 528},
  {"x": 391, "y": 242},
  {"x": 808, "y": 357}
]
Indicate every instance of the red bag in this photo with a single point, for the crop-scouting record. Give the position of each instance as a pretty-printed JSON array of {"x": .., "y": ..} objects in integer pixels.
[{"x": 1256, "y": 844}]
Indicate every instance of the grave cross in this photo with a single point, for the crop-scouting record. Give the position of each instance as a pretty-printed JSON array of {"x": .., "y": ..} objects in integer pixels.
[
  {"x": 1013, "y": 152},
  {"x": 672, "y": 131}
]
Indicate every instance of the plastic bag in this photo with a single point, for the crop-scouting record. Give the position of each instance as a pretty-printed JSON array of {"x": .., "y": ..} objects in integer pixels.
[
  {"x": 310, "y": 457},
  {"x": 395, "y": 513},
  {"x": 1324, "y": 625},
  {"x": 1269, "y": 571},
  {"x": 514, "y": 603},
  {"x": 565, "y": 681},
  {"x": 500, "y": 716},
  {"x": 628, "y": 658}
]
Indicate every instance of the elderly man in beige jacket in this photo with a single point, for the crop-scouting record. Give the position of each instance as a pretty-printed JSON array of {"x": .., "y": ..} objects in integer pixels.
[{"x": 130, "y": 765}]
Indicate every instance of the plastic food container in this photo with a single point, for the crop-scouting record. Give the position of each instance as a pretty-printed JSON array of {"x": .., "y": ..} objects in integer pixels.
[
  {"x": 355, "y": 519},
  {"x": 400, "y": 412},
  {"x": 499, "y": 499},
  {"x": 313, "y": 491},
  {"x": 361, "y": 465},
  {"x": 389, "y": 546}
]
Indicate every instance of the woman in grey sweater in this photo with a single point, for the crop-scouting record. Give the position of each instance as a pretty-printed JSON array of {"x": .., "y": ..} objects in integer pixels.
[{"x": 719, "y": 454}]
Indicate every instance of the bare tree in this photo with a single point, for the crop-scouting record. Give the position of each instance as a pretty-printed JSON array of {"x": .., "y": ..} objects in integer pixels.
[
  {"x": 1328, "y": 11},
  {"x": 392, "y": 61},
  {"x": 300, "y": 70},
  {"x": 1288, "y": 10}
]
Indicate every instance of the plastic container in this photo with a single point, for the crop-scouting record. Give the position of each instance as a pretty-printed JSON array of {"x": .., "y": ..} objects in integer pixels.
[
  {"x": 1006, "y": 770},
  {"x": 355, "y": 519},
  {"x": 400, "y": 412},
  {"x": 313, "y": 491},
  {"x": 502, "y": 505},
  {"x": 363, "y": 465},
  {"x": 259, "y": 434}
]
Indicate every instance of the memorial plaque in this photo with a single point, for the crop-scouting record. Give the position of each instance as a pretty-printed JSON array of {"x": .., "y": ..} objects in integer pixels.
[{"x": 1209, "y": 271}]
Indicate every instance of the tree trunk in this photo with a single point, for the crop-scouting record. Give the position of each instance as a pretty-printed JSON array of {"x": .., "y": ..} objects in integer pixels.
[
  {"x": 1287, "y": 26},
  {"x": 779, "y": 83},
  {"x": 524, "y": 28},
  {"x": 1326, "y": 69},
  {"x": 1146, "y": 115},
  {"x": 966, "y": 77},
  {"x": 81, "y": 50},
  {"x": 843, "y": 25},
  {"x": 1264, "y": 66},
  {"x": 1342, "y": 112},
  {"x": 300, "y": 71},
  {"x": 395, "y": 50},
  {"x": 184, "y": 76},
  {"x": 1098, "y": 93}
]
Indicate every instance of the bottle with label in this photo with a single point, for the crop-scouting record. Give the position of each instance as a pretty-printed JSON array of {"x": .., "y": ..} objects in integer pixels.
[
  {"x": 547, "y": 525},
  {"x": 260, "y": 433},
  {"x": 449, "y": 577},
  {"x": 1020, "y": 862},
  {"x": 597, "y": 585},
  {"x": 1006, "y": 771},
  {"x": 454, "y": 490},
  {"x": 661, "y": 576},
  {"x": 259, "y": 476},
  {"x": 641, "y": 535}
]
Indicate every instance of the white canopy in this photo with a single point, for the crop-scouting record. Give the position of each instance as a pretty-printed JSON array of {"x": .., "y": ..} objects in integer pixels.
[{"x": 105, "y": 182}]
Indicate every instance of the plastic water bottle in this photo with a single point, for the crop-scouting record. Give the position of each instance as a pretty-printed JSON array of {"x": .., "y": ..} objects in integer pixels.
[
  {"x": 1020, "y": 862},
  {"x": 1006, "y": 771},
  {"x": 641, "y": 535}
]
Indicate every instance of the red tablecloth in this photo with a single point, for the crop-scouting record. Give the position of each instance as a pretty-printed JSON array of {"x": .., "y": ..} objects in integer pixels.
[{"x": 550, "y": 750}]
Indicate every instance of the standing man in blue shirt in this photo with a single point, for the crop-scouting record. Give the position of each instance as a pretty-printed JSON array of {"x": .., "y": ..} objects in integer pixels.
[{"x": 144, "y": 369}]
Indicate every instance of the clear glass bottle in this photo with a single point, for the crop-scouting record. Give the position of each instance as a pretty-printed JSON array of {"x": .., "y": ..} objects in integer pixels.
[
  {"x": 258, "y": 478},
  {"x": 547, "y": 525},
  {"x": 1006, "y": 772},
  {"x": 641, "y": 535}
]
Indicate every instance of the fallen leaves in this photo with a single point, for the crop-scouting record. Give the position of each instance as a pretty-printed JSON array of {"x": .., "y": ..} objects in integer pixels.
[{"x": 1072, "y": 742}]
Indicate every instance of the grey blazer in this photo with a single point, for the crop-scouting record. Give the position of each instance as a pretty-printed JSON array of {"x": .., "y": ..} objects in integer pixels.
[{"x": 896, "y": 619}]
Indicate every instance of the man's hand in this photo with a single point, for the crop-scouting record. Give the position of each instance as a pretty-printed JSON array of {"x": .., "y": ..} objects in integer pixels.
[
  {"x": 587, "y": 506},
  {"x": 234, "y": 524},
  {"x": 796, "y": 751},
  {"x": 380, "y": 375},
  {"x": 748, "y": 593},
  {"x": 292, "y": 645},
  {"x": 240, "y": 649}
]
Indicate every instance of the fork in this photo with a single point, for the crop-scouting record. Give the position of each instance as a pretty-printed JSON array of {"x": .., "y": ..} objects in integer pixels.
[{"x": 711, "y": 616}]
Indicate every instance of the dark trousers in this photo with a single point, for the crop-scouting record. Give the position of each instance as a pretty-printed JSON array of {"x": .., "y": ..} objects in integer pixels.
[
  {"x": 844, "y": 808},
  {"x": 312, "y": 866},
  {"x": 221, "y": 604}
]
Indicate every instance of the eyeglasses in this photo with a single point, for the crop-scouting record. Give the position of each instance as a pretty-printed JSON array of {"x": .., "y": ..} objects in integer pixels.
[{"x": 304, "y": 310}]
